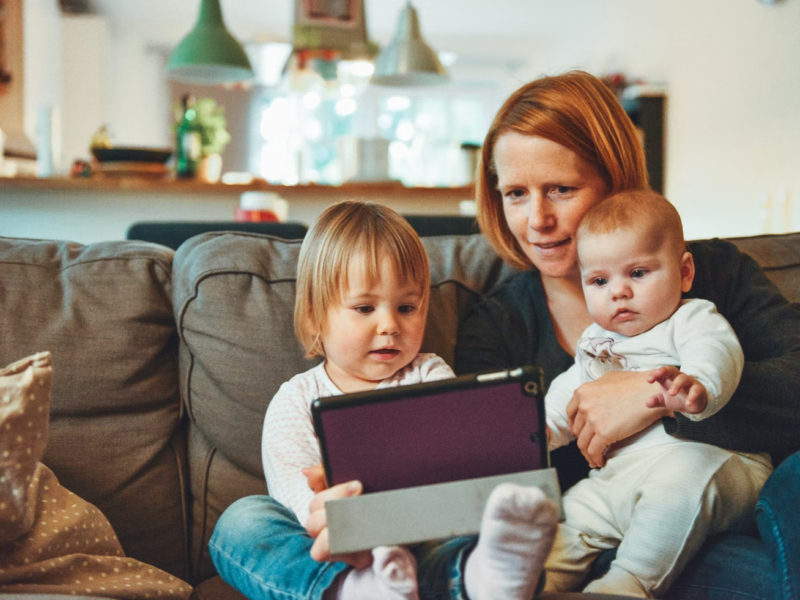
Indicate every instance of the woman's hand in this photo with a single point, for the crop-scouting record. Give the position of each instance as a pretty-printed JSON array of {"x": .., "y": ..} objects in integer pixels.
[
  {"x": 317, "y": 523},
  {"x": 611, "y": 409}
]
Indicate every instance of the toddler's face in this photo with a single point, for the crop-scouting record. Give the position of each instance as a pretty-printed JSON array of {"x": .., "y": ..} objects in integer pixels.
[
  {"x": 630, "y": 283},
  {"x": 374, "y": 330}
]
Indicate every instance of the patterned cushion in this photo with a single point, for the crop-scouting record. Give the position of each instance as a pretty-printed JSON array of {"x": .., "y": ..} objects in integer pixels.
[{"x": 51, "y": 540}]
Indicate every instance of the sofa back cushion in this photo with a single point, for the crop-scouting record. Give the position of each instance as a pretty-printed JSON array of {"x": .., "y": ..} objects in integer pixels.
[
  {"x": 104, "y": 312},
  {"x": 779, "y": 257},
  {"x": 234, "y": 298}
]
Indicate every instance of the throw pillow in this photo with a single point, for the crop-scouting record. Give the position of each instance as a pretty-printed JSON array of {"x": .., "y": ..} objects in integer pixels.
[
  {"x": 24, "y": 418},
  {"x": 51, "y": 540}
]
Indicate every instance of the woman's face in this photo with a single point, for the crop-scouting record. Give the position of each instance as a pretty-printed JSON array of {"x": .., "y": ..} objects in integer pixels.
[{"x": 546, "y": 189}]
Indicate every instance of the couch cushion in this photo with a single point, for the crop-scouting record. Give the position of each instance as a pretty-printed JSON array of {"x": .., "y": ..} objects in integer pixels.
[
  {"x": 779, "y": 256},
  {"x": 104, "y": 312},
  {"x": 51, "y": 539},
  {"x": 234, "y": 298}
]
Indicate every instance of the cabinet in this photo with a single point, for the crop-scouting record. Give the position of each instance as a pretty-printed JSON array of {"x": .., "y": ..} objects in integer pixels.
[{"x": 648, "y": 112}]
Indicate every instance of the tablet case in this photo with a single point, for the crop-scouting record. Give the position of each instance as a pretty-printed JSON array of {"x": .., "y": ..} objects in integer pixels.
[{"x": 468, "y": 427}]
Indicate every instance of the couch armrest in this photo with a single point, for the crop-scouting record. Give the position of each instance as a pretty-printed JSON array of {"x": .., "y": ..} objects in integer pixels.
[{"x": 779, "y": 523}]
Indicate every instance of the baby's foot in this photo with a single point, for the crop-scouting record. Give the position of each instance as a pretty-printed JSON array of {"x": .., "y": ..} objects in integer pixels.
[
  {"x": 517, "y": 530},
  {"x": 392, "y": 575}
]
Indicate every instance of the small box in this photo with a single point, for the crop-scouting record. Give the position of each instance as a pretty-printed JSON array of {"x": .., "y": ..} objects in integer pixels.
[
  {"x": 255, "y": 206},
  {"x": 417, "y": 514}
]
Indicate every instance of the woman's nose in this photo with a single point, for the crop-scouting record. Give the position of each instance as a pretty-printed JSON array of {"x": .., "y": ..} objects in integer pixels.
[{"x": 540, "y": 217}]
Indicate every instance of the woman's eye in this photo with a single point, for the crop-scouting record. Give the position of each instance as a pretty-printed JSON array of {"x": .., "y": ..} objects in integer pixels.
[
  {"x": 514, "y": 194},
  {"x": 559, "y": 191}
]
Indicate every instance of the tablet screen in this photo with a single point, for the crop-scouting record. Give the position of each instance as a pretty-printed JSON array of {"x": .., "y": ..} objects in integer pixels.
[{"x": 471, "y": 426}]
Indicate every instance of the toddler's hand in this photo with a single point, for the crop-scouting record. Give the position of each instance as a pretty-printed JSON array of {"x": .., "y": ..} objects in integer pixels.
[
  {"x": 317, "y": 523},
  {"x": 316, "y": 478},
  {"x": 680, "y": 392}
]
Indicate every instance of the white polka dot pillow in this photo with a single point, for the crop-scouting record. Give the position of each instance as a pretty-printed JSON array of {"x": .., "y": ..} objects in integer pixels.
[{"x": 52, "y": 541}]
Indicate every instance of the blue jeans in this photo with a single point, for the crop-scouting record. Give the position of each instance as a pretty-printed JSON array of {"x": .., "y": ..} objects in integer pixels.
[
  {"x": 259, "y": 548},
  {"x": 728, "y": 567},
  {"x": 779, "y": 524}
]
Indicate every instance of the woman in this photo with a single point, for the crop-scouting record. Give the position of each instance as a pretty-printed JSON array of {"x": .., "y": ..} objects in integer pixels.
[{"x": 558, "y": 146}]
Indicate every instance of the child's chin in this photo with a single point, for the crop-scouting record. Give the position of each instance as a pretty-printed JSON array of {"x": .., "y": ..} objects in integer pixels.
[{"x": 632, "y": 329}]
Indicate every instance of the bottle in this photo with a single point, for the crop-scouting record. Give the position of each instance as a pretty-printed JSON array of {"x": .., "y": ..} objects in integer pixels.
[{"x": 187, "y": 143}]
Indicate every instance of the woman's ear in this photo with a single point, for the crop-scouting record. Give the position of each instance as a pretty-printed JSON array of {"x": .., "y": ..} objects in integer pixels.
[{"x": 687, "y": 271}]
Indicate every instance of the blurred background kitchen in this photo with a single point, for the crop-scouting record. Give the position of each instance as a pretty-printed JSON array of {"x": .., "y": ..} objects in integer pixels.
[{"x": 722, "y": 77}]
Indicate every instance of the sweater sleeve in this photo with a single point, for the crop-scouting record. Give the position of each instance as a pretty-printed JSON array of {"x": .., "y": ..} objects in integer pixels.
[
  {"x": 555, "y": 403},
  {"x": 289, "y": 445},
  {"x": 709, "y": 351},
  {"x": 764, "y": 412}
]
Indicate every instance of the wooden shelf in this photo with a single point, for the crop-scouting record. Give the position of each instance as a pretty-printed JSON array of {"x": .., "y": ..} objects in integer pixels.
[{"x": 178, "y": 186}]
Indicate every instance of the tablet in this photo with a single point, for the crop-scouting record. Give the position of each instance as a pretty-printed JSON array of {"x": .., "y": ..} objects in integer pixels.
[{"x": 470, "y": 426}]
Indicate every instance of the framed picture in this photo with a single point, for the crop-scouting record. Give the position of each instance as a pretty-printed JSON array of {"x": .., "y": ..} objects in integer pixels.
[
  {"x": 330, "y": 25},
  {"x": 341, "y": 13}
]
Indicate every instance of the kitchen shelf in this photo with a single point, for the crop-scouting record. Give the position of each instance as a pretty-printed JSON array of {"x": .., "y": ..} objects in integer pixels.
[{"x": 179, "y": 186}]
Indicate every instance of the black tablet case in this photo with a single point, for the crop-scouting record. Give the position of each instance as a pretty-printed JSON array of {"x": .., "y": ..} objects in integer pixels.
[{"x": 467, "y": 427}]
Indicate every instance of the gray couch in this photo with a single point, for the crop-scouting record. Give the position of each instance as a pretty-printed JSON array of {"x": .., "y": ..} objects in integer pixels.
[{"x": 165, "y": 363}]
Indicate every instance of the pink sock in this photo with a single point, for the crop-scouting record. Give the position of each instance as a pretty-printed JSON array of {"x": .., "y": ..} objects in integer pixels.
[{"x": 517, "y": 531}]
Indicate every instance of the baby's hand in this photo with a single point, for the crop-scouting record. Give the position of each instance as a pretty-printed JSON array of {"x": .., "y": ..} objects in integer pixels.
[{"x": 680, "y": 392}]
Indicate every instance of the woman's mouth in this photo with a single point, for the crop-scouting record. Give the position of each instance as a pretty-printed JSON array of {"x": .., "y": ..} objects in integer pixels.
[{"x": 551, "y": 247}]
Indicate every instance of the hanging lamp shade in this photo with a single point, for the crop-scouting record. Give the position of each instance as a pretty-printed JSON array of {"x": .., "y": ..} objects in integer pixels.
[
  {"x": 209, "y": 54},
  {"x": 408, "y": 60}
]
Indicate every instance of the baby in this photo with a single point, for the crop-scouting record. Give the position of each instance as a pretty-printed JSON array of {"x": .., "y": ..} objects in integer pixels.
[{"x": 657, "y": 498}]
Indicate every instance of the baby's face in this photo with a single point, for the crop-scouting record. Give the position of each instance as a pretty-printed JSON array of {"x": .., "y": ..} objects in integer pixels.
[
  {"x": 630, "y": 283},
  {"x": 375, "y": 330}
]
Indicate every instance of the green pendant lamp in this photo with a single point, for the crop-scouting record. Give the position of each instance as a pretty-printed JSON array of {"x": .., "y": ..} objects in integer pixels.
[
  {"x": 408, "y": 60},
  {"x": 209, "y": 54}
]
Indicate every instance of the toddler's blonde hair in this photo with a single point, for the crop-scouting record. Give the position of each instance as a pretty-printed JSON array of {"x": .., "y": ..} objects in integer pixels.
[{"x": 342, "y": 232}]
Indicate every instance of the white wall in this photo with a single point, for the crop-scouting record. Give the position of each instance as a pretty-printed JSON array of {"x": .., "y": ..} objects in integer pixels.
[
  {"x": 84, "y": 97},
  {"x": 41, "y": 68},
  {"x": 731, "y": 69}
]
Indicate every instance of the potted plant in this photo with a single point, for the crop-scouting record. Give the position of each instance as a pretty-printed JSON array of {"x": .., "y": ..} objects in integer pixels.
[{"x": 201, "y": 137}]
